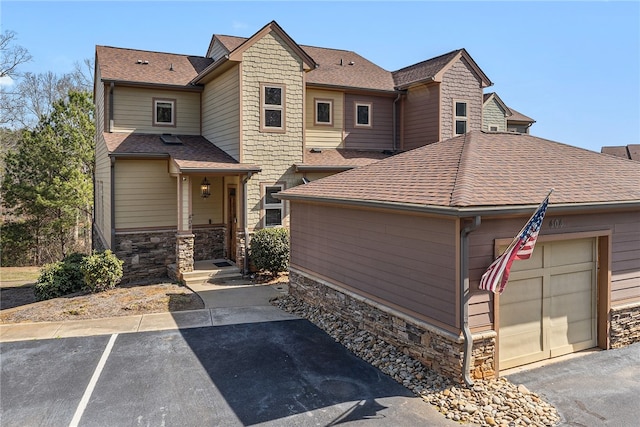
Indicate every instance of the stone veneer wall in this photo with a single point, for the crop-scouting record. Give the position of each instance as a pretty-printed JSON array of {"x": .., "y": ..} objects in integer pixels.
[
  {"x": 210, "y": 242},
  {"x": 435, "y": 348},
  {"x": 145, "y": 254},
  {"x": 625, "y": 325}
]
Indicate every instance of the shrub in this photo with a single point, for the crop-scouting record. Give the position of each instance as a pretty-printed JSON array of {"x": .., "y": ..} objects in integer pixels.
[
  {"x": 102, "y": 271},
  {"x": 270, "y": 250},
  {"x": 60, "y": 278}
]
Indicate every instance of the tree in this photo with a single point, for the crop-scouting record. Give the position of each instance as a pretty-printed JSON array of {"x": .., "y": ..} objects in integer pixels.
[
  {"x": 11, "y": 55},
  {"x": 48, "y": 177}
]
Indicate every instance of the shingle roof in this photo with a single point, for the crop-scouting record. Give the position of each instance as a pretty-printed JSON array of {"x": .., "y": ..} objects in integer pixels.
[
  {"x": 118, "y": 64},
  {"x": 631, "y": 151},
  {"x": 195, "y": 152},
  {"x": 484, "y": 170},
  {"x": 423, "y": 70},
  {"x": 355, "y": 71},
  {"x": 519, "y": 117},
  {"x": 340, "y": 159}
]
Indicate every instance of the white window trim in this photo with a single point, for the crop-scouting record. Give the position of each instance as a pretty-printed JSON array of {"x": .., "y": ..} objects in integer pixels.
[
  {"x": 155, "y": 112},
  {"x": 457, "y": 118},
  {"x": 317, "y": 101},
  {"x": 264, "y": 107},
  {"x": 266, "y": 205},
  {"x": 355, "y": 114}
]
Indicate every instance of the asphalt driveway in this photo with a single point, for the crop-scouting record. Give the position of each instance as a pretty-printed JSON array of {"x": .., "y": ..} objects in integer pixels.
[
  {"x": 595, "y": 389},
  {"x": 271, "y": 373}
]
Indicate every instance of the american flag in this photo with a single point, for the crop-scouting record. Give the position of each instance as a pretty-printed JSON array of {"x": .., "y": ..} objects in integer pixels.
[{"x": 497, "y": 275}]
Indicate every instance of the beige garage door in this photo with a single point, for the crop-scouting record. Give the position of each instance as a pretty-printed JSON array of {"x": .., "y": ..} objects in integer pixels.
[{"x": 549, "y": 305}]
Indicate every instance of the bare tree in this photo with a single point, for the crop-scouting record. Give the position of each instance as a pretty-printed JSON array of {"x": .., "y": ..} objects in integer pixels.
[{"x": 11, "y": 55}]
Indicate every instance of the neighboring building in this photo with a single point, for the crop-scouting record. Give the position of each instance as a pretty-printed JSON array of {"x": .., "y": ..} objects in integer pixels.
[
  {"x": 190, "y": 150},
  {"x": 497, "y": 117},
  {"x": 393, "y": 246},
  {"x": 631, "y": 151}
]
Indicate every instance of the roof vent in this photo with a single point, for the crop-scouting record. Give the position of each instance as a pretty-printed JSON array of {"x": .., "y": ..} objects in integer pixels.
[
  {"x": 139, "y": 61},
  {"x": 145, "y": 62},
  {"x": 351, "y": 62},
  {"x": 169, "y": 139},
  {"x": 316, "y": 150},
  {"x": 171, "y": 67}
]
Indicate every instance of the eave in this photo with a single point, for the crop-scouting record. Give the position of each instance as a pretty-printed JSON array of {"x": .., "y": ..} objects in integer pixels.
[{"x": 184, "y": 88}]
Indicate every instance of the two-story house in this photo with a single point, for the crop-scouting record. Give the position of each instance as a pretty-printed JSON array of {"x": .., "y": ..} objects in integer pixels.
[{"x": 190, "y": 150}]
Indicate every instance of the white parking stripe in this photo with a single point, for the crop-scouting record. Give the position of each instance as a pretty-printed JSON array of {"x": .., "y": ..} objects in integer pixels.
[{"x": 92, "y": 383}]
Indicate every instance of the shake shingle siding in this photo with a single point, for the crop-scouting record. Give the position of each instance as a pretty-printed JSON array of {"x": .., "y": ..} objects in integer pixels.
[
  {"x": 460, "y": 84},
  {"x": 407, "y": 263}
]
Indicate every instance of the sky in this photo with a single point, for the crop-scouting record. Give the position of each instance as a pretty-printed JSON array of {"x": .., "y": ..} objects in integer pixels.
[{"x": 572, "y": 66}]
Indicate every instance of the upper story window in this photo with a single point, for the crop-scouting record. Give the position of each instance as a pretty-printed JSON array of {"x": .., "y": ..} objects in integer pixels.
[
  {"x": 324, "y": 112},
  {"x": 461, "y": 117},
  {"x": 273, "y": 207},
  {"x": 363, "y": 114},
  {"x": 164, "y": 112},
  {"x": 272, "y": 100}
]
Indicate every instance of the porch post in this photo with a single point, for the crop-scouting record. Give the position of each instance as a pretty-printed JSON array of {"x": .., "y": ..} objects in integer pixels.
[{"x": 184, "y": 236}]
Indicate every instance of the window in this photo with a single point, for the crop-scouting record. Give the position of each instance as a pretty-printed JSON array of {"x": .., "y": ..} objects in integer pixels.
[
  {"x": 363, "y": 114},
  {"x": 272, "y": 100},
  {"x": 493, "y": 128},
  {"x": 164, "y": 112},
  {"x": 461, "y": 118},
  {"x": 272, "y": 206},
  {"x": 324, "y": 112}
]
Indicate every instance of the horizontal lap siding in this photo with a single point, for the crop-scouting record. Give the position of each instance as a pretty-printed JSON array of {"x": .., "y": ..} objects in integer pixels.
[
  {"x": 102, "y": 216},
  {"x": 421, "y": 110},
  {"x": 208, "y": 210},
  {"x": 493, "y": 115},
  {"x": 324, "y": 136},
  {"x": 146, "y": 194},
  {"x": 133, "y": 111},
  {"x": 625, "y": 263},
  {"x": 405, "y": 260},
  {"x": 380, "y": 135},
  {"x": 221, "y": 112}
]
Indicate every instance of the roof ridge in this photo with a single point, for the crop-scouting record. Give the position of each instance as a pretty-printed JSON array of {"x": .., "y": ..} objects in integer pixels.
[
  {"x": 427, "y": 60},
  {"x": 149, "y": 51},
  {"x": 459, "y": 172}
]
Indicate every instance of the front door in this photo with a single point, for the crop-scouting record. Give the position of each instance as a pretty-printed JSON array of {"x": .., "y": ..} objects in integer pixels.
[{"x": 232, "y": 222}]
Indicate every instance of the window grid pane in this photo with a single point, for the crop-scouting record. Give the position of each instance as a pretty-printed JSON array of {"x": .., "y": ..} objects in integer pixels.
[
  {"x": 461, "y": 127},
  {"x": 269, "y": 199},
  {"x": 273, "y": 217},
  {"x": 363, "y": 114},
  {"x": 273, "y": 118},
  {"x": 163, "y": 112},
  {"x": 323, "y": 112},
  {"x": 273, "y": 95},
  {"x": 461, "y": 109}
]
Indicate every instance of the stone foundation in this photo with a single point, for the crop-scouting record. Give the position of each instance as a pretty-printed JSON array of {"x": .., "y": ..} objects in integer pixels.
[
  {"x": 625, "y": 325},
  {"x": 145, "y": 254},
  {"x": 210, "y": 242},
  {"x": 435, "y": 348},
  {"x": 184, "y": 253}
]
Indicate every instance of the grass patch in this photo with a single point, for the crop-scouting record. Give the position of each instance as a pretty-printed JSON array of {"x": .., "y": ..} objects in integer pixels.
[{"x": 19, "y": 273}]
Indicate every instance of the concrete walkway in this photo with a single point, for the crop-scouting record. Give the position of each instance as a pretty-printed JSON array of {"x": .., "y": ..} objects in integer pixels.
[{"x": 224, "y": 305}]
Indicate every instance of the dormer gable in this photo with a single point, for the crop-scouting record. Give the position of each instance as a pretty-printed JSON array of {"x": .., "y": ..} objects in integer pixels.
[{"x": 433, "y": 70}]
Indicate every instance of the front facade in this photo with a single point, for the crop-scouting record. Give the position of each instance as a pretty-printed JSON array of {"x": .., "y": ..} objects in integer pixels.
[
  {"x": 190, "y": 150},
  {"x": 405, "y": 261}
]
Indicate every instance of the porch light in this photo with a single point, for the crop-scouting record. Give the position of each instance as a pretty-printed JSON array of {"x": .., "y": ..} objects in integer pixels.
[{"x": 205, "y": 188}]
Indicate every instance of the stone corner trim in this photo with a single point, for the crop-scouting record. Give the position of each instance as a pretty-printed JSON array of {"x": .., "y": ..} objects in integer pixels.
[
  {"x": 435, "y": 348},
  {"x": 625, "y": 325}
]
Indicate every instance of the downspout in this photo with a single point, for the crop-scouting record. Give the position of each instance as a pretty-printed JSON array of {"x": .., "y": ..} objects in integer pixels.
[
  {"x": 245, "y": 260},
  {"x": 395, "y": 120},
  {"x": 113, "y": 204},
  {"x": 464, "y": 297},
  {"x": 111, "y": 107}
]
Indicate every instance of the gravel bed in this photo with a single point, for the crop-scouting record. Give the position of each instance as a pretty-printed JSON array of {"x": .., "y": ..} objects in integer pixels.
[{"x": 487, "y": 403}]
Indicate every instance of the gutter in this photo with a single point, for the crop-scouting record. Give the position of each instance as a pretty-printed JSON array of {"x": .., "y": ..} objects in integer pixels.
[
  {"x": 464, "y": 298},
  {"x": 188, "y": 88},
  {"x": 250, "y": 170},
  {"x": 311, "y": 168},
  {"x": 465, "y": 211},
  {"x": 111, "y": 124},
  {"x": 395, "y": 120},
  {"x": 113, "y": 204}
]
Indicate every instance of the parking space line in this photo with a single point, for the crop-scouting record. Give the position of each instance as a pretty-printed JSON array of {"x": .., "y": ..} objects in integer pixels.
[{"x": 92, "y": 383}]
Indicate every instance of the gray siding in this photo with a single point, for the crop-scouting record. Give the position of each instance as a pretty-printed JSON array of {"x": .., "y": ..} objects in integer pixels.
[
  {"x": 217, "y": 51},
  {"x": 421, "y": 109},
  {"x": 625, "y": 254},
  {"x": 405, "y": 261},
  {"x": 493, "y": 115},
  {"x": 221, "y": 112},
  {"x": 380, "y": 135}
]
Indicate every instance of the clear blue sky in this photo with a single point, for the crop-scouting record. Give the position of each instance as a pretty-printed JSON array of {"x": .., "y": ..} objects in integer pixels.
[{"x": 572, "y": 66}]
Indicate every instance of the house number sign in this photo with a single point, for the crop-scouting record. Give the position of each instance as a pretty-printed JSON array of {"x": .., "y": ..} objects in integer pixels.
[{"x": 556, "y": 223}]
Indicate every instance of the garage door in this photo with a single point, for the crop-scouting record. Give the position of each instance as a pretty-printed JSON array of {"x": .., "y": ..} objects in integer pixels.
[{"x": 549, "y": 305}]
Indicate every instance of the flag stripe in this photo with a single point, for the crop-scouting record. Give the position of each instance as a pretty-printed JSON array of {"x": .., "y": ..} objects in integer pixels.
[{"x": 497, "y": 275}]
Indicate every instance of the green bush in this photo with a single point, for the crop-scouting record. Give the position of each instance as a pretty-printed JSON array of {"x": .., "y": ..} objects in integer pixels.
[
  {"x": 270, "y": 250},
  {"x": 102, "y": 271},
  {"x": 60, "y": 278}
]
